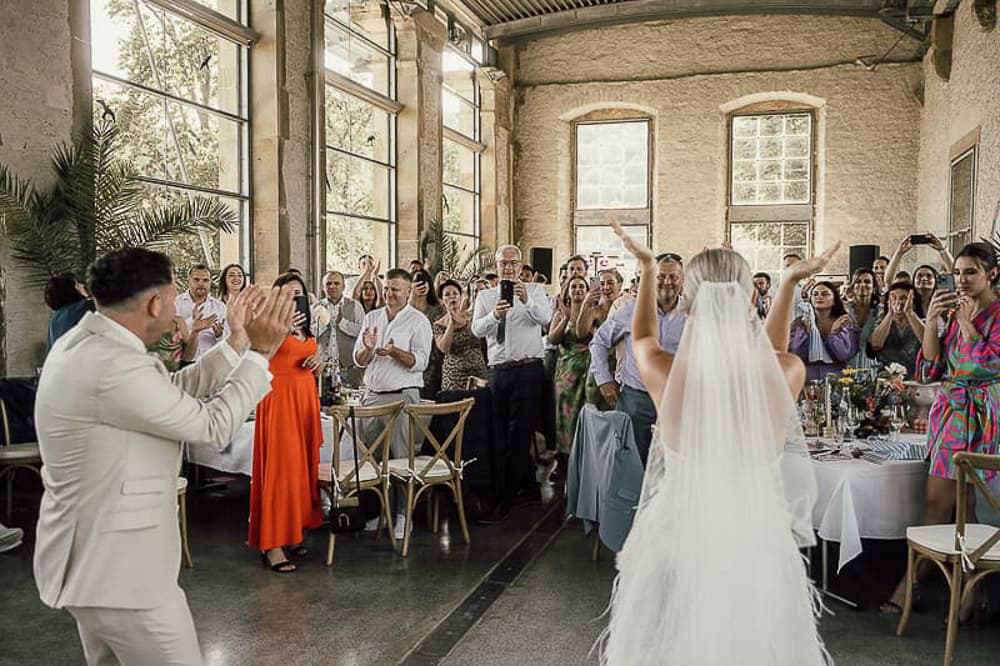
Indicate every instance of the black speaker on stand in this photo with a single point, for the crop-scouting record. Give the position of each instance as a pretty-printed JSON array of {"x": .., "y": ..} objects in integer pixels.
[
  {"x": 541, "y": 262},
  {"x": 863, "y": 256}
]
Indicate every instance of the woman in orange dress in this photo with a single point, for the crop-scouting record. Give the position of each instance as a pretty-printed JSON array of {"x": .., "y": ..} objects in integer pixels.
[{"x": 284, "y": 498}]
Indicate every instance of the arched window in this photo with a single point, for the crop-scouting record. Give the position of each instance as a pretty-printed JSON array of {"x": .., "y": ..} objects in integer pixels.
[
  {"x": 772, "y": 182},
  {"x": 612, "y": 167}
]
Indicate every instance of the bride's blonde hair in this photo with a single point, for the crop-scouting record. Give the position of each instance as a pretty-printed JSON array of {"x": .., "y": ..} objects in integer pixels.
[{"x": 716, "y": 265}]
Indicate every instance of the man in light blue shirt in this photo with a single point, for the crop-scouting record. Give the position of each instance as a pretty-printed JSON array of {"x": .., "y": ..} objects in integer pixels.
[{"x": 632, "y": 398}]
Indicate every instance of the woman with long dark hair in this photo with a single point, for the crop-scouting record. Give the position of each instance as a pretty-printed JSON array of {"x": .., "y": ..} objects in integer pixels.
[
  {"x": 368, "y": 296},
  {"x": 965, "y": 415},
  {"x": 232, "y": 280},
  {"x": 897, "y": 337},
  {"x": 825, "y": 338},
  {"x": 864, "y": 310},
  {"x": 424, "y": 298},
  {"x": 284, "y": 498}
]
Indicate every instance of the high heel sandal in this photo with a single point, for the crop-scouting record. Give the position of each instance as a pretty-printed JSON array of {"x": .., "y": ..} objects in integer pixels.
[
  {"x": 298, "y": 551},
  {"x": 891, "y": 608},
  {"x": 278, "y": 567}
]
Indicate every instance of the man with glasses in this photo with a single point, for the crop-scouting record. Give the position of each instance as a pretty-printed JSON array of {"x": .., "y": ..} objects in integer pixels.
[
  {"x": 632, "y": 398},
  {"x": 513, "y": 331}
]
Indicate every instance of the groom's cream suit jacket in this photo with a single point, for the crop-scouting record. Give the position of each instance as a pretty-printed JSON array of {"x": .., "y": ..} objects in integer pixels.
[{"x": 110, "y": 419}]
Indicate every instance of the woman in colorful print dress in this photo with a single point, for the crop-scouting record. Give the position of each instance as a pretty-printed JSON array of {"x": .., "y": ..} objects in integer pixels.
[
  {"x": 595, "y": 311},
  {"x": 965, "y": 415},
  {"x": 573, "y": 365}
]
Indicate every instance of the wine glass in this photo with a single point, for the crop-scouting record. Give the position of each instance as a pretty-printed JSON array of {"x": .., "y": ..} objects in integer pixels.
[
  {"x": 897, "y": 419},
  {"x": 851, "y": 421}
]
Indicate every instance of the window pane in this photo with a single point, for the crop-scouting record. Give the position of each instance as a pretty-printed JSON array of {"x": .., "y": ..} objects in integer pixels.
[
  {"x": 458, "y": 114},
  {"x": 962, "y": 198},
  {"x": 763, "y": 244},
  {"x": 348, "y": 238},
  {"x": 771, "y": 159},
  {"x": 352, "y": 57},
  {"x": 458, "y": 165},
  {"x": 460, "y": 210},
  {"x": 458, "y": 75},
  {"x": 167, "y": 53},
  {"x": 361, "y": 16},
  {"x": 603, "y": 241},
  {"x": 612, "y": 165},
  {"x": 356, "y": 126},
  {"x": 186, "y": 250},
  {"x": 356, "y": 186}
]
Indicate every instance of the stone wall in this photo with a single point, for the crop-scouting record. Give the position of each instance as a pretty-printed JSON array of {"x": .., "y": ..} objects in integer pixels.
[
  {"x": 687, "y": 75},
  {"x": 968, "y": 101},
  {"x": 36, "y": 113}
]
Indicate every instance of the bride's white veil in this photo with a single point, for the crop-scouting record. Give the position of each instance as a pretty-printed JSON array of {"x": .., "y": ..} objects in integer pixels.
[{"x": 711, "y": 569}]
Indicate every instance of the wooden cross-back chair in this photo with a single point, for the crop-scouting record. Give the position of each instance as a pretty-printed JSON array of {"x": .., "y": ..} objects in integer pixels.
[
  {"x": 965, "y": 552},
  {"x": 373, "y": 459},
  {"x": 421, "y": 473}
]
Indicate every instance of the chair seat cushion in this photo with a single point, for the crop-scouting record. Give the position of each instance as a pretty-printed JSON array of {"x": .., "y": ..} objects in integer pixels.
[
  {"x": 367, "y": 473},
  {"x": 400, "y": 467},
  {"x": 941, "y": 538},
  {"x": 20, "y": 453}
]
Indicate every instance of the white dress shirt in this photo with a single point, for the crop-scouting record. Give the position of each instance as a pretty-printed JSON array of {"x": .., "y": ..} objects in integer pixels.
[
  {"x": 211, "y": 306},
  {"x": 410, "y": 331},
  {"x": 523, "y": 334}
]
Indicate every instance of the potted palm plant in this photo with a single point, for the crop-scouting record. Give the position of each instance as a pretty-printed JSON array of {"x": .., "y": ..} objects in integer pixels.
[{"x": 96, "y": 204}]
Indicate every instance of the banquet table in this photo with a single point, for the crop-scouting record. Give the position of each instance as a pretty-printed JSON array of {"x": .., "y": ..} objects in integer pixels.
[
  {"x": 237, "y": 458},
  {"x": 858, "y": 500}
]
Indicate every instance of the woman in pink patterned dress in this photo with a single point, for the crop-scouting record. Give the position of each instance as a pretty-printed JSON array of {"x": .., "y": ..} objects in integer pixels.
[{"x": 966, "y": 360}]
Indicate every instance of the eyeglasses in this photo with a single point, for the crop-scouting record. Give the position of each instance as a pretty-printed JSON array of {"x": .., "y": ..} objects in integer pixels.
[
  {"x": 508, "y": 263},
  {"x": 669, "y": 256}
]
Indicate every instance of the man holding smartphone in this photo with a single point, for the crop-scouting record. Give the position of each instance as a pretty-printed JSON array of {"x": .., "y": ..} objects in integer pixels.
[{"x": 511, "y": 317}]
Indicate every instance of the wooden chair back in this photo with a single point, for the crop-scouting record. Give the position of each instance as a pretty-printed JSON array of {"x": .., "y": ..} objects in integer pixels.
[
  {"x": 374, "y": 454},
  {"x": 417, "y": 413},
  {"x": 968, "y": 464}
]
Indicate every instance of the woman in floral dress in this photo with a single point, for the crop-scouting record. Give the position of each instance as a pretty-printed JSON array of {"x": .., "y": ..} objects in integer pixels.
[
  {"x": 453, "y": 337},
  {"x": 596, "y": 309},
  {"x": 965, "y": 415},
  {"x": 573, "y": 365}
]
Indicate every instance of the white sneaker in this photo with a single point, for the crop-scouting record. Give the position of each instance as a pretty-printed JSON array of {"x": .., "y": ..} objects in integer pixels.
[
  {"x": 400, "y": 530},
  {"x": 10, "y": 538},
  {"x": 371, "y": 525}
]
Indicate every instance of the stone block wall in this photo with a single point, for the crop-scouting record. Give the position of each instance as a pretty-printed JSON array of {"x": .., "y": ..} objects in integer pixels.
[
  {"x": 968, "y": 101},
  {"x": 687, "y": 75}
]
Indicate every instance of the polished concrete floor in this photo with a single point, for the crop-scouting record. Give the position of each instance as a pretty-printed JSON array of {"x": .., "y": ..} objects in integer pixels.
[{"x": 525, "y": 592}]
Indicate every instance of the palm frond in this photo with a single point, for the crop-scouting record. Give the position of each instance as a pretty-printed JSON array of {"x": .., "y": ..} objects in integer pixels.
[{"x": 157, "y": 226}]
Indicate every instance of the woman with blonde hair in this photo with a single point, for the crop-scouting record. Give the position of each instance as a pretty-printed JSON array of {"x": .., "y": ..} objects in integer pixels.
[{"x": 725, "y": 467}]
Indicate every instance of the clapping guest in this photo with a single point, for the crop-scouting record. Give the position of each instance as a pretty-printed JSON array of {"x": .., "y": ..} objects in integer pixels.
[
  {"x": 369, "y": 296},
  {"x": 424, "y": 299},
  {"x": 369, "y": 269},
  {"x": 463, "y": 356},
  {"x": 573, "y": 365},
  {"x": 892, "y": 271},
  {"x": 204, "y": 314},
  {"x": 440, "y": 279},
  {"x": 338, "y": 330},
  {"x": 897, "y": 337},
  {"x": 232, "y": 280},
  {"x": 864, "y": 311},
  {"x": 69, "y": 301},
  {"x": 284, "y": 496},
  {"x": 598, "y": 306},
  {"x": 825, "y": 337}
]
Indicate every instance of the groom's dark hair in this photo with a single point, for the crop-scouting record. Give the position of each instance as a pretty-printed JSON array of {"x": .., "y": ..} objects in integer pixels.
[{"x": 123, "y": 274}]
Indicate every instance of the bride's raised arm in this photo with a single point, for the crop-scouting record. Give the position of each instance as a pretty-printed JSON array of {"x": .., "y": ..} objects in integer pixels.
[
  {"x": 779, "y": 319},
  {"x": 652, "y": 361}
]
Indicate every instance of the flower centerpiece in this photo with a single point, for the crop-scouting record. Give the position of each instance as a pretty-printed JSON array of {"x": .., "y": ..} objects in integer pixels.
[{"x": 872, "y": 392}]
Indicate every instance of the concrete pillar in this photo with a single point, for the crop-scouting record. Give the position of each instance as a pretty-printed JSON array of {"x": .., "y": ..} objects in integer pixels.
[
  {"x": 496, "y": 120},
  {"x": 420, "y": 42}
]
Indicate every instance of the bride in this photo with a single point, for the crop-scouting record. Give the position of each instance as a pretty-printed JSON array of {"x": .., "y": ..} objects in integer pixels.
[{"x": 711, "y": 572}]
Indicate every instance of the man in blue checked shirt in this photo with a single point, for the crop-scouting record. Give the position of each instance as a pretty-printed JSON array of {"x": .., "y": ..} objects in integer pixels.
[{"x": 632, "y": 397}]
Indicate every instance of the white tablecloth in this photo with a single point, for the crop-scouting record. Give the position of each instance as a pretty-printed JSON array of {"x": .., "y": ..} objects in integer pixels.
[
  {"x": 858, "y": 499},
  {"x": 237, "y": 458}
]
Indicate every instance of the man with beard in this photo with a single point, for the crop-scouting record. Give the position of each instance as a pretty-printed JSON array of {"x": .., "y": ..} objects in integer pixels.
[
  {"x": 204, "y": 314},
  {"x": 762, "y": 294},
  {"x": 632, "y": 398}
]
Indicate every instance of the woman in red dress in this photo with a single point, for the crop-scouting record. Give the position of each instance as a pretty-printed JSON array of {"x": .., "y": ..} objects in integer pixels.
[{"x": 284, "y": 498}]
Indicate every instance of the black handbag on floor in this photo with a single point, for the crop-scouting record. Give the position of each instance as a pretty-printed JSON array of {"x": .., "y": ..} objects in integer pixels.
[{"x": 346, "y": 514}]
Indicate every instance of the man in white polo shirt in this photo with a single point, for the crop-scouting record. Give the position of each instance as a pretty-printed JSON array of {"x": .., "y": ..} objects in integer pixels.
[{"x": 393, "y": 348}]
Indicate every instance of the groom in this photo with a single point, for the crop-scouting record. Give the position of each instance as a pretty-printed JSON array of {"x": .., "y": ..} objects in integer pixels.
[
  {"x": 110, "y": 421},
  {"x": 632, "y": 398}
]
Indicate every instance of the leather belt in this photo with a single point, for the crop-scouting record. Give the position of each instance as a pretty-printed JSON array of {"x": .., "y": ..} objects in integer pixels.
[
  {"x": 507, "y": 365},
  {"x": 405, "y": 388}
]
